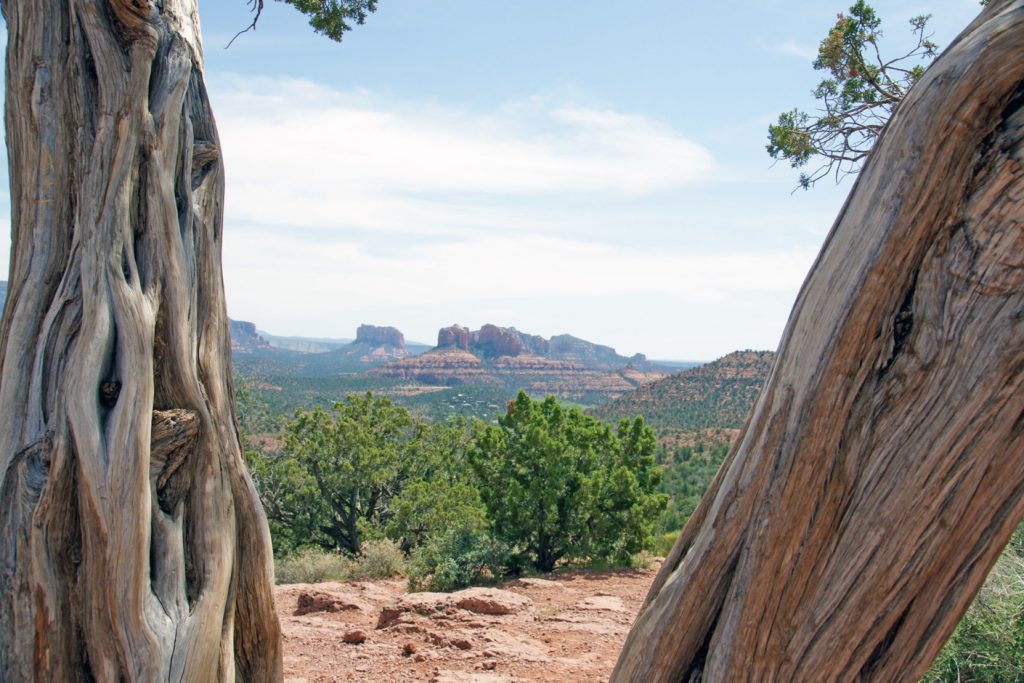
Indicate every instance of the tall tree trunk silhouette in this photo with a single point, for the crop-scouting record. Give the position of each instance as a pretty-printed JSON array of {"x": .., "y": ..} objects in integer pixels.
[
  {"x": 132, "y": 543},
  {"x": 882, "y": 468}
]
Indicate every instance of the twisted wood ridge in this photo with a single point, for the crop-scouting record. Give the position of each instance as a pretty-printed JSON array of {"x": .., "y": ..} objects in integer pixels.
[
  {"x": 882, "y": 469},
  {"x": 132, "y": 543}
]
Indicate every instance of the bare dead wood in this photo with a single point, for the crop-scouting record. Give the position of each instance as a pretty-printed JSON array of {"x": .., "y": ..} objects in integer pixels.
[
  {"x": 882, "y": 469},
  {"x": 132, "y": 545}
]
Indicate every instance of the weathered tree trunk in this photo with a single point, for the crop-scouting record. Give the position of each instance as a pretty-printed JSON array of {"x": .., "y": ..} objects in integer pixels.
[
  {"x": 132, "y": 543},
  {"x": 882, "y": 469}
]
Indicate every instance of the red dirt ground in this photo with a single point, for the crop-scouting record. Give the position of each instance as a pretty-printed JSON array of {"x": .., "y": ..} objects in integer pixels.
[{"x": 567, "y": 626}]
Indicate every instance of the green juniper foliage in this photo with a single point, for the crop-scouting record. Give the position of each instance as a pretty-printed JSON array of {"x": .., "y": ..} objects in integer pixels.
[
  {"x": 328, "y": 17},
  {"x": 439, "y": 495},
  {"x": 457, "y": 558},
  {"x": 333, "y": 17},
  {"x": 338, "y": 474},
  {"x": 560, "y": 485},
  {"x": 688, "y": 471},
  {"x": 860, "y": 92},
  {"x": 547, "y": 484},
  {"x": 365, "y": 469}
]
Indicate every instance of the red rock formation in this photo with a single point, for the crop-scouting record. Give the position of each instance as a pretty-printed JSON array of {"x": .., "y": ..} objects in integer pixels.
[
  {"x": 494, "y": 341},
  {"x": 380, "y": 336},
  {"x": 319, "y": 601},
  {"x": 568, "y": 367},
  {"x": 455, "y": 337},
  {"x": 440, "y": 366},
  {"x": 245, "y": 338}
]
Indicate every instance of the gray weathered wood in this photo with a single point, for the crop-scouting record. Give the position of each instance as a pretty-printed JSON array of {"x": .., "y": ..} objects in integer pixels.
[
  {"x": 132, "y": 544},
  {"x": 882, "y": 469}
]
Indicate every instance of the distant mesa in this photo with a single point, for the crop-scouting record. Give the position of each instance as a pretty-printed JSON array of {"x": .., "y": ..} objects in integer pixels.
[
  {"x": 500, "y": 357},
  {"x": 304, "y": 345},
  {"x": 568, "y": 347},
  {"x": 373, "y": 346},
  {"x": 371, "y": 335},
  {"x": 245, "y": 338},
  {"x": 565, "y": 365},
  {"x": 454, "y": 337},
  {"x": 491, "y": 341}
]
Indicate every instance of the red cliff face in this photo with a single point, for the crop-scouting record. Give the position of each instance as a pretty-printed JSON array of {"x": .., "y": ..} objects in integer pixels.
[
  {"x": 494, "y": 341},
  {"x": 491, "y": 341},
  {"x": 440, "y": 366},
  {"x": 244, "y": 337},
  {"x": 454, "y": 337},
  {"x": 503, "y": 356},
  {"x": 380, "y": 336}
]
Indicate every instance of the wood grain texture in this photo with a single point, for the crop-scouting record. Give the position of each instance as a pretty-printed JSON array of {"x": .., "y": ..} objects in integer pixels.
[
  {"x": 882, "y": 469},
  {"x": 132, "y": 544}
]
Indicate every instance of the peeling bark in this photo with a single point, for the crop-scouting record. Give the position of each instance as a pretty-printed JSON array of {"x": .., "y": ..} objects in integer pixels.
[
  {"x": 882, "y": 468},
  {"x": 132, "y": 543}
]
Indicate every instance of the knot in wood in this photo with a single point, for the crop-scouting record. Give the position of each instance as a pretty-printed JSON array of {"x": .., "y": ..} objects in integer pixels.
[
  {"x": 134, "y": 16},
  {"x": 109, "y": 391}
]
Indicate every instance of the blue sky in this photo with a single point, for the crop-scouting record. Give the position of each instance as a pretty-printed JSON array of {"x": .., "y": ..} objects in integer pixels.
[{"x": 576, "y": 166}]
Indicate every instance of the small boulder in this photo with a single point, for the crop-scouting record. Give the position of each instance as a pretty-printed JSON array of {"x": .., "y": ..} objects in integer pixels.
[
  {"x": 354, "y": 637},
  {"x": 461, "y": 643},
  {"x": 490, "y": 601},
  {"x": 315, "y": 601},
  {"x": 427, "y": 604}
]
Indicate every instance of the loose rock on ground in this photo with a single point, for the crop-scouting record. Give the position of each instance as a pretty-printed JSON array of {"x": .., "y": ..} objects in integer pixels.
[{"x": 567, "y": 626}]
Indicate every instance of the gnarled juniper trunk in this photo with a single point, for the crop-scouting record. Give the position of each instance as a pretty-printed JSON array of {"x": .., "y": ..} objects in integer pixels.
[
  {"x": 132, "y": 543},
  {"x": 882, "y": 469}
]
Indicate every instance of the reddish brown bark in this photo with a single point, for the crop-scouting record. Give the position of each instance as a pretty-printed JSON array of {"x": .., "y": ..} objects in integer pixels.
[{"x": 882, "y": 469}]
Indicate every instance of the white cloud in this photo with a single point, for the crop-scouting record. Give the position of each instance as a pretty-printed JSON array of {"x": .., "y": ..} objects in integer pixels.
[
  {"x": 302, "y": 154},
  {"x": 346, "y": 207},
  {"x": 791, "y": 47},
  {"x": 512, "y": 267},
  {"x": 453, "y": 280}
]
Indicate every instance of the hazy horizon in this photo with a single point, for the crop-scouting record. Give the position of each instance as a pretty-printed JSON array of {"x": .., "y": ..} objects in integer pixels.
[
  {"x": 433, "y": 342},
  {"x": 556, "y": 167}
]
